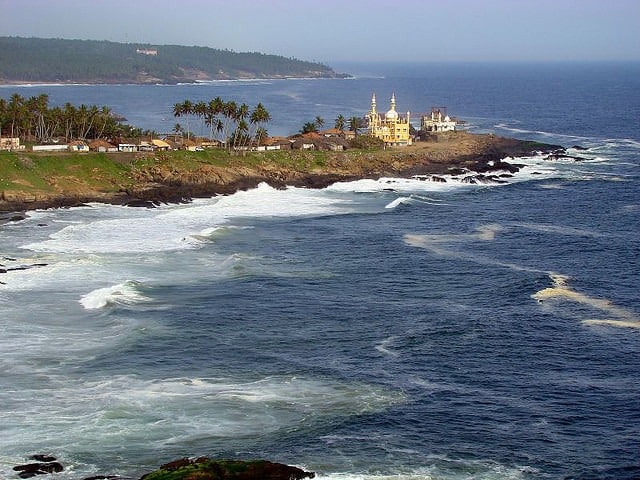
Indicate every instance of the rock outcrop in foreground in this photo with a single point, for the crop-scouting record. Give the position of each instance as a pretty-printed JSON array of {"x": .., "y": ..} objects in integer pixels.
[
  {"x": 202, "y": 468},
  {"x": 207, "y": 469}
]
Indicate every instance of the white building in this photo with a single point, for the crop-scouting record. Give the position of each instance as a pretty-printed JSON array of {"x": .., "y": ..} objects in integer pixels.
[{"x": 438, "y": 121}]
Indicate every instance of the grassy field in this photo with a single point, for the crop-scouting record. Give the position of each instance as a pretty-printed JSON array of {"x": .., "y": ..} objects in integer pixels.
[
  {"x": 32, "y": 172},
  {"x": 43, "y": 177}
]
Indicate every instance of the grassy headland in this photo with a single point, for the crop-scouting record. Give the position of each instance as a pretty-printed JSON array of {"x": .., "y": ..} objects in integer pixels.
[{"x": 30, "y": 180}]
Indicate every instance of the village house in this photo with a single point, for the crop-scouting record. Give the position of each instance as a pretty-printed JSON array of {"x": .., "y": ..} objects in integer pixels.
[
  {"x": 53, "y": 147},
  {"x": 102, "y": 146},
  {"x": 10, "y": 143},
  {"x": 160, "y": 145},
  {"x": 78, "y": 146},
  {"x": 127, "y": 147}
]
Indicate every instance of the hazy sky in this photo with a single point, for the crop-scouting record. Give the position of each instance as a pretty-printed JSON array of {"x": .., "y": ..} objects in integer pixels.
[{"x": 349, "y": 30}]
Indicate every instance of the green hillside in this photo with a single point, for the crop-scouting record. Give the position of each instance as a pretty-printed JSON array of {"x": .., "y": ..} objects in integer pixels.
[{"x": 91, "y": 61}]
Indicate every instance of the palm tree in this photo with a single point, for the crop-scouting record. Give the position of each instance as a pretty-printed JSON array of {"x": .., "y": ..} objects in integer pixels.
[
  {"x": 259, "y": 116},
  {"x": 187, "y": 110},
  {"x": 15, "y": 110},
  {"x": 261, "y": 134},
  {"x": 69, "y": 118},
  {"x": 319, "y": 122},
  {"x": 242, "y": 127},
  {"x": 214, "y": 108},
  {"x": 341, "y": 122},
  {"x": 229, "y": 110},
  {"x": 3, "y": 113},
  {"x": 354, "y": 125},
  {"x": 104, "y": 118},
  {"x": 309, "y": 127},
  {"x": 200, "y": 110}
]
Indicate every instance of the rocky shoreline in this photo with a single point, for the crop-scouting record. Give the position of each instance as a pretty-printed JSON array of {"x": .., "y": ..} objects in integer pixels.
[{"x": 477, "y": 158}]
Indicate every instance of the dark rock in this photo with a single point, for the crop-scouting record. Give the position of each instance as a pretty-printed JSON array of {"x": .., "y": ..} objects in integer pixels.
[
  {"x": 206, "y": 469},
  {"x": 141, "y": 203},
  {"x": 438, "y": 179},
  {"x": 578, "y": 147},
  {"x": 494, "y": 166},
  {"x": 17, "y": 218},
  {"x": 32, "y": 469}
]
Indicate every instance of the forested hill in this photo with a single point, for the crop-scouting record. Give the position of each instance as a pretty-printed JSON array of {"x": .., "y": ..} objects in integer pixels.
[{"x": 91, "y": 61}]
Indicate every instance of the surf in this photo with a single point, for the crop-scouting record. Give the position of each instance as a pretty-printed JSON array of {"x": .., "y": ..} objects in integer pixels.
[{"x": 123, "y": 294}]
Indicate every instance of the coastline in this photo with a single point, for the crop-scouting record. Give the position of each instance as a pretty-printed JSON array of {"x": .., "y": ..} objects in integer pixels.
[{"x": 162, "y": 180}]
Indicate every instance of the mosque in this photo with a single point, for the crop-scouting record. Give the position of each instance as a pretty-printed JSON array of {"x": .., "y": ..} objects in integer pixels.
[{"x": 391, "y": 127}]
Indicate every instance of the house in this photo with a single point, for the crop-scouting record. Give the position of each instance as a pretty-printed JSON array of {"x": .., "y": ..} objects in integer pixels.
[
  {"x": 10, "y": 143},
  {"x": 349, "y": 134},
  {"x": 147, "y": 51},
  {"x": 160, "y": 145},
  {"x": 188, "y": 144},
  {"x": 145, "y": 146},
  {"x": 78, "y": 146},
  {"x": 211, "y": 144},
  {"x": 127, "y": 147},
  {"x": 50, "y": 148},
  {"x": 332, "y": 132},
  {"x": 302, "y": 144},
  {"x": 102, "y": 146},
  {"x": 276, "y": 143}
]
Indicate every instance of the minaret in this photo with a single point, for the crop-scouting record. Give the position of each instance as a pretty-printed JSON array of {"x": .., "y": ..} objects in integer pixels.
[
  {"x": 393, "y": 101},
  {"x": 373, "y": 104}
]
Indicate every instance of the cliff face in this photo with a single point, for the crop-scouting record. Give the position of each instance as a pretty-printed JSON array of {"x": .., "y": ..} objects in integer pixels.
[{"x": 164, "y": 179}]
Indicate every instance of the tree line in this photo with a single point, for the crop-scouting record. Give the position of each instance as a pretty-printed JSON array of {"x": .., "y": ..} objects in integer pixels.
[
  {"x": 232, "y": 124},
  {"x": 355, "y": 124},
  {"x": 61, "y": 60},
  {"x": 32, "y": 119}
]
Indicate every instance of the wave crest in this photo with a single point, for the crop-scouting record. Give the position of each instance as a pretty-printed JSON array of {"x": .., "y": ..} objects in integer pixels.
[{"x": 126, "y": 293}]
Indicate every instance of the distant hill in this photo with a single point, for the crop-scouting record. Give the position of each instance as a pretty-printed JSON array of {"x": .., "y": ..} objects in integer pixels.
[{"x": 90, "y": 61}]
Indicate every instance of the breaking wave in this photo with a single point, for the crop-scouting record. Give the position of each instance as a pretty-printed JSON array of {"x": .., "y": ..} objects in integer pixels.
[{"x": 127, "y": 293}]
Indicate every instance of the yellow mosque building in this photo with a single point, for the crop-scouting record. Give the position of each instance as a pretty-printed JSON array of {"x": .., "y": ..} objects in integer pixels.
[{"x": 391, "y": 127}]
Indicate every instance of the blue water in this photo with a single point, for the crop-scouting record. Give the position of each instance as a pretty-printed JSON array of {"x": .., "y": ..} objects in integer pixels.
[{"x": 371, "y": 330}]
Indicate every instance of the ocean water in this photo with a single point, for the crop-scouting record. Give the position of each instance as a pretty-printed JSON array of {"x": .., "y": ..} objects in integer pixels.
[{"x": 392, "y": 329}]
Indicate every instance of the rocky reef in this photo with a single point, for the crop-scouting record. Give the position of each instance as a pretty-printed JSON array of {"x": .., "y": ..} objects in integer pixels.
[{"x": 201, "y": 468}]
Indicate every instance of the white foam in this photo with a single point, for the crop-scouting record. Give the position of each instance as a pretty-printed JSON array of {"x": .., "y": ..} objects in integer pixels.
[
  {"x": 180, "y": 227},
  {"x": 560, "y": 292},
  {"x": 558, "y": 229},
  {"x": 384, "y": 346},
  {"x": 440, "y": 467},
  {"x": 127, "y": 293},
  {"x": 397, "y": 202},
  {"x": 104, "y": 413}
]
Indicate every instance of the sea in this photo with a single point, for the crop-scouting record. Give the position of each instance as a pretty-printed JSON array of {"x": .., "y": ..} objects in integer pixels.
[{"x": 391, "y": 329}]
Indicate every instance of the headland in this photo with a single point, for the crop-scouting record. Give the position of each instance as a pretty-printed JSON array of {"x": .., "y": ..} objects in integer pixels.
[{"x": 33, "y": 180}]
